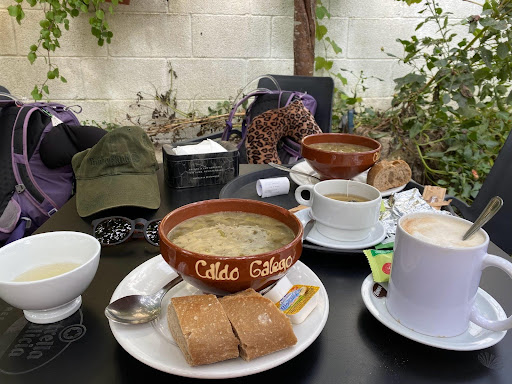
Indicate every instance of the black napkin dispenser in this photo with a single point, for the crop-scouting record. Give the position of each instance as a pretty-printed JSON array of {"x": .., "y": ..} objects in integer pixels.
[{"x": 199, "y": 170}]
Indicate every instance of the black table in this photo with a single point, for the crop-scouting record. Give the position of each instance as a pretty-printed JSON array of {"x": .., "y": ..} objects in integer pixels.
[{"x": 354, "y": 347}]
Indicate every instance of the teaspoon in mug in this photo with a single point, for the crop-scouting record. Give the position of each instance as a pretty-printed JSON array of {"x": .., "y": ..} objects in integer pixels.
[
  {"x": 489, "y": 211},
  {"x": 138, "y": 309}
]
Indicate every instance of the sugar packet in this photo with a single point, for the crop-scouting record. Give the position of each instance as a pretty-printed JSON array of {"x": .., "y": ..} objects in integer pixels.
[{"x": 380, "y": 261}]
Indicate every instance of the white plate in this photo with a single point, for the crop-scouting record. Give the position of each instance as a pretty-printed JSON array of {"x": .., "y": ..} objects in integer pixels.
[
  {"x": 473, "y": 339},
  {"x": 303, "y": 166},
  {"x": 153, "y": 345}
]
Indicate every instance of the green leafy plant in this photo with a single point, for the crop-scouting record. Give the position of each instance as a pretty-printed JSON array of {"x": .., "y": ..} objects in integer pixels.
[
  {"x": 453, "y": 111},
  {"x": 56, "y": 17}
]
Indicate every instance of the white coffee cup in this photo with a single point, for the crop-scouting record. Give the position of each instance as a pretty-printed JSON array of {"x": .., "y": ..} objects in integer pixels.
[
  {"x": 342, "y": 220},
  {"x": 435, "y": 277}
]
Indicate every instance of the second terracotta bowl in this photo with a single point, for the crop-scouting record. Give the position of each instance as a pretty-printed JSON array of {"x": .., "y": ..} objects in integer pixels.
[
  {"x": 221, "y": 275},
  {"x": 337, "y": 165}
]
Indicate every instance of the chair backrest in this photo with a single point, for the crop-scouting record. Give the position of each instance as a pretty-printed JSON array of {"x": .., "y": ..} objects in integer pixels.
[
  {"x": 321, "y": 88},
  {"x": 497, "y": 183}
]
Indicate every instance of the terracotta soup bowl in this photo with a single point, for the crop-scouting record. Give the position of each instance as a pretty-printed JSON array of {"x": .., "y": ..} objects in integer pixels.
[
  {"x": 339, "y": 165},
  {"x": 221, "y": 275}
]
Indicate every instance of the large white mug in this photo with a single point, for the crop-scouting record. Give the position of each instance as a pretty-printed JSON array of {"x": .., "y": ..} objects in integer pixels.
[
  {"x": 342, "y": 220},
  {"x": 435, "y": 275}
]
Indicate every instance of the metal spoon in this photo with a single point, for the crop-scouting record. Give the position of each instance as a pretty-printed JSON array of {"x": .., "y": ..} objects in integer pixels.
[
  {"x": 307, "y": 228},
  {"x": 286, "y": 169},
  {"x": 138, "y": 309},
  {"x": 489, "y": 211}
]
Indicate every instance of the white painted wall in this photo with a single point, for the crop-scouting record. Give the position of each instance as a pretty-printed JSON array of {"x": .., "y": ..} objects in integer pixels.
[{"x": 214, "y": 46}]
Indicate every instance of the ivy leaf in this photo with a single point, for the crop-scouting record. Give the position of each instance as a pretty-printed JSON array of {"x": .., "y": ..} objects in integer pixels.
[
  {"x": 321, "y": 12},
  {"x": 45, "y": 89},
  {"x": 17, "y": 12},
  {"x": 100, "y": 14},
  {"x": 32, "y": 57},
  {"x": 63, "y": 79},
  {"x": 321, "y": 31},
  {"x": 344, "y": 80},
  {"x": 334, "y": 46},
  {"x": 321, "y": 63},
  {"x": 36, "y": 95}
]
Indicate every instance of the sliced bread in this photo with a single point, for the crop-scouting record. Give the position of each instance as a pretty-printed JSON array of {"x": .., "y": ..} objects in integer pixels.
[
  {"x": 389, "y": 174},
  {"x": 201, "y": 329},
  {"x": 259, "y": 325}
]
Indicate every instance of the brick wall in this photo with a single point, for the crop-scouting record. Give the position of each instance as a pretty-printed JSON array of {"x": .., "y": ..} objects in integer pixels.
[{"x": 214, "y": 46}]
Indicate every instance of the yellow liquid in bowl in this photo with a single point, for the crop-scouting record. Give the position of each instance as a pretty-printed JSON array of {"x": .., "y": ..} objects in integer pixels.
[{"x": 46, "y": 271}]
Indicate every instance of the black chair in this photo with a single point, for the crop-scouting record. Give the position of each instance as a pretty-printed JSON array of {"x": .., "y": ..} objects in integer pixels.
[
  {"x": 321, "y": 88},
  {"x": 497, "y": 183}
]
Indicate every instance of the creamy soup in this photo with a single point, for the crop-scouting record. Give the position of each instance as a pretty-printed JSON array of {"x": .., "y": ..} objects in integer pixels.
[
  {"x": 340, "y": 147},
  {"x": 231, "y": 234},
  {"x": 345, "y": 197}
]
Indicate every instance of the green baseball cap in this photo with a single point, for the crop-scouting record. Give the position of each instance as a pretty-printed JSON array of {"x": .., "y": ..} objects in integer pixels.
[{"x": 119, "y": 170}]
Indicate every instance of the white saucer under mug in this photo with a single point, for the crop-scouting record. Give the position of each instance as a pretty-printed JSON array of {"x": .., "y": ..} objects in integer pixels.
[
  {"x": 475, "y": 337},
  {"x": 376, "y": 235}
]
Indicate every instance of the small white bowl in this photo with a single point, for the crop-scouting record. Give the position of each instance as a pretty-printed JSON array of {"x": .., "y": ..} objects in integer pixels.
[{"x": 55, "y": 298}]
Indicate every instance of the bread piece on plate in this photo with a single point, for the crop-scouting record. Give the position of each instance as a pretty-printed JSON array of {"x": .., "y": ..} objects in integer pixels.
[
  {"x": 389, "y": 174},
  {"x": 259, "y": 325},
  {"x": 201, "y": 329}
]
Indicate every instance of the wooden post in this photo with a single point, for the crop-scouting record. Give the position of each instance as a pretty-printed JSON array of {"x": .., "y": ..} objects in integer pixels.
[{"x": 304, "y": 37}]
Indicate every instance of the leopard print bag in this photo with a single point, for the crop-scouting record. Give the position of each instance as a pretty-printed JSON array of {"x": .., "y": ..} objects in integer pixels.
[
  {"x": 274, "y": 129},
  {"x": 281, "y": 138}
]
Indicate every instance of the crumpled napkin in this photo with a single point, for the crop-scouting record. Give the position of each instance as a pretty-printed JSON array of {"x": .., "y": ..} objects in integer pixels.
[{"x": 205, "y": 146}]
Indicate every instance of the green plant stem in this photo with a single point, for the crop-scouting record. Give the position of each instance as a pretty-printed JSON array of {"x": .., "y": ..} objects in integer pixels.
[
  {"x": 474, "y": 2},
  {"x": 422, "y": 159}
]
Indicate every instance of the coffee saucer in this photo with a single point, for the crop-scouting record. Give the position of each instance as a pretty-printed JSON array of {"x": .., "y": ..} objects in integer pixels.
[
  {"x": 473, "y": 339},
  {"x": 376, "y": 235}
]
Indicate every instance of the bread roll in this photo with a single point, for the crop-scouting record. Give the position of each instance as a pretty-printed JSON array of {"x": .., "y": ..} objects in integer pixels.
[
  {"x": 201, "y": 329},
  {"x": 259, "y": 325},
  {"x": 389, "y": 174}
]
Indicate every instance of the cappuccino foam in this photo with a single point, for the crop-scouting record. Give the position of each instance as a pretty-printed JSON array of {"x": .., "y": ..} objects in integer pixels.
[{"x": 441, "y": 230}]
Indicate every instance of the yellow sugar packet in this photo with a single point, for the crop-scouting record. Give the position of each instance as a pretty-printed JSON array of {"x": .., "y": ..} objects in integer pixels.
[{"x": 380, "y": 263}]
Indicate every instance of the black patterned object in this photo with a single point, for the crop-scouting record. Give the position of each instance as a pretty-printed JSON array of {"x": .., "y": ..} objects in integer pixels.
[{"x": 187, "y": 171}]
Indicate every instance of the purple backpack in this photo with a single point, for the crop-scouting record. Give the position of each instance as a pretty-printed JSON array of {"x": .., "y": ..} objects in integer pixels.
[
  {"x": 30, "y": 192},
  {"x": 264, "y": 100}
]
